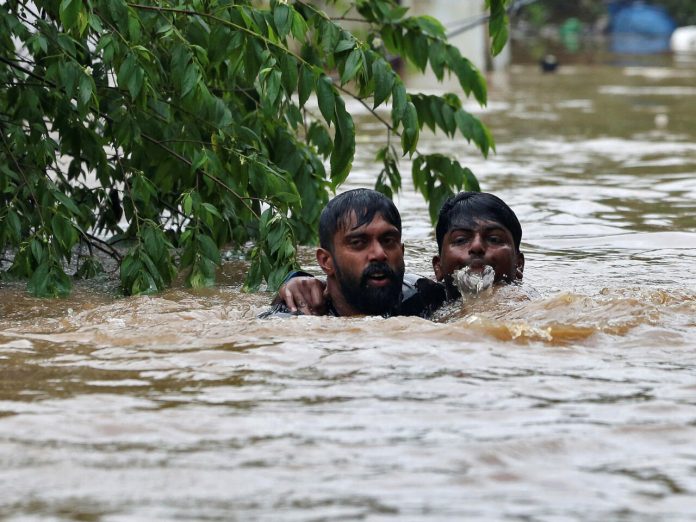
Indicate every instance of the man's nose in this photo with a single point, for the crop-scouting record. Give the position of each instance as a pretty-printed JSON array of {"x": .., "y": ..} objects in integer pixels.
[
  {"x": 377, "y": 252},
  {"x": 476, "y": 246}
]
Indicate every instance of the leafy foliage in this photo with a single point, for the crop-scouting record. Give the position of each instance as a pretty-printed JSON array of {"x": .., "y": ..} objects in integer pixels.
[{"x": 181, "y": 128}]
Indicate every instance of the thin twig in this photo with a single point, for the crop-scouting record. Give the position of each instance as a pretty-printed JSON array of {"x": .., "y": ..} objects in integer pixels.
[{"x": 101, "y": 245}]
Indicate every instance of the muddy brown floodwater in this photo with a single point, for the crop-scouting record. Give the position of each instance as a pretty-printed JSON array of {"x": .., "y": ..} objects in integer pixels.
[{"x": 572, "y": 397}]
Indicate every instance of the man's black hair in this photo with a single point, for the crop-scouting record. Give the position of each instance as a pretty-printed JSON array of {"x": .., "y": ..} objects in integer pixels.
[
  {"x": 468, "y": 207},
  {"x": 365, "y": 203}
]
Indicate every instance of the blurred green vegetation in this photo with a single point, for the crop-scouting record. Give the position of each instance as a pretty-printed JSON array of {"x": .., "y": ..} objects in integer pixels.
[
  {"x": 543, "y": 12},
  {"x": 683, "y": 11}
]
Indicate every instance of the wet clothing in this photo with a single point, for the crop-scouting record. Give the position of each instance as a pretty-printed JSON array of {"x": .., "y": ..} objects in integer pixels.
[{"x": 420, "y": 296}]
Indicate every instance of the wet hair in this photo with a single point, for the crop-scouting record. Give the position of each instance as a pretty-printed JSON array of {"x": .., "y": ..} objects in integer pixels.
[
  {"x": 365, "y": 203},
  {"x": 468, "y": 207}
]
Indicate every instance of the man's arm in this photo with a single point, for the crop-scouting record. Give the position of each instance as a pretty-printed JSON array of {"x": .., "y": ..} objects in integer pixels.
[{"x": 304, "y": 293}]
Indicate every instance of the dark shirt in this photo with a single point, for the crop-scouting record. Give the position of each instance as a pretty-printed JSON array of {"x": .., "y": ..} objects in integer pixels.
[{"x": 420, "y": 297}]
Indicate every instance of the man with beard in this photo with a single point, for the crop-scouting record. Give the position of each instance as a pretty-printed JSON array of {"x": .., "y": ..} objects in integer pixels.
[
  {"x": 362, "y": 255},
  {"x": 474, "y": 230}
]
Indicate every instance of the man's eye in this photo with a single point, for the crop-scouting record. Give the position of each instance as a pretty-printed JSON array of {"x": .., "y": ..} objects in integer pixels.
[
  {"x": 356, "y": 243},
  {"x": 496, "y": 240},
  {"x": 460, "y": 240},
  {"x": 389, "y": 241}
]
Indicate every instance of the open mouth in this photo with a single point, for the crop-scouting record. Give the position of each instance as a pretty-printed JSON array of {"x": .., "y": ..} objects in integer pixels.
[
  {"x": 378, "y": 279},
  {"x": 378, "y": 275}
]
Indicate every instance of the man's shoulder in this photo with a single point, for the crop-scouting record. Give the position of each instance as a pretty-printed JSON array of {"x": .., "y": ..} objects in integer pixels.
[{"x": 421, "y": 296}]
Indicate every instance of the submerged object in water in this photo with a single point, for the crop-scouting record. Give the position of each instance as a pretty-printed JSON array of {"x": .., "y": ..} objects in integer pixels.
[
  {"x": 549, "y": 63},
  {"x": 641, "y": 29},
  {"x": 683, "y": 39},
  {"x": 470, "y": 282}
]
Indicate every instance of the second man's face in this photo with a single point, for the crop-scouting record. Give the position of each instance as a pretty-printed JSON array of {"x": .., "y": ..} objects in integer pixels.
[{"x": 476, "y": 245}]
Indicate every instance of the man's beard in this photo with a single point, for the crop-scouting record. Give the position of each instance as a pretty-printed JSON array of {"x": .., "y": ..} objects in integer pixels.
[{"x": 372, "y": 300}]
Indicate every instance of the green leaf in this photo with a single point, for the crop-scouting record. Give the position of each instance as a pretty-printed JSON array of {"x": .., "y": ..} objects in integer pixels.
[
  {"x": 49, "y": 280},
  {"x": 90, "y": 268},
  {"x": 38, "y": 282},
  {"x": 166, "y": 29},
  {"x": 202, "y": 274},
  {"x": 431, "y": 26},
  {"x": 417, "y": 48},
  {"x": 64, "y": 232},
  {"x": 119, "y": 13},
  {"x": 287, "y": 197},
  {"x": 306, "y": 85},
  {"x": 470, "y": 78},
  {"x": 273, "y": 82},
  {"x": 344, "y": 45},
  {"x": 37, "y": 250},
  {"x": 448, "y": 123},
  {"x": 187, "y": 204},
  {"x": 330, "y": 34},
  {"x": 212, "y": 210},
  {"x": 254, "y": 275},
  {"x": 85, "y": 90},
  {"x": 67, "y": 202},
  {"x": 190, "y": 80},
  {"x": 470, "y": 182},
  {"x": 472, "y": 129},
  {"x": 384, "y": 81},
  {"x": 14, "y": 224},
  {"x": 437, "y": 197},
  {"x": 208, "y": 248},
  {"x": 497, "y": 25},
  {"x": 67, "y": 44},
  {"x": 353, "y": 63},
  {"x": 319, "y": 136},
  {"x": 396, "y": 13},
  {"x": 288, "y": 67},
  {"x": 59, "y": 283},
  {"x": 299, "y": 26},
  {"x": 425, "y": 112},
  {"x": 398, "y": 102},
  {"x": 409, "y": 136},
  {"x": 134, "y": 27},
  {"x": 130, "y": 76},
  {"x": 436, "y": 55},
  {"x": 69, "y": 12},
  {"x": 38, "y": 43},
  {"x": 69, "y": 73},
  {"x": 153, "y": 276},
  {"x": 129, "y": 267},
  {"x": 344, "y": 145},
  {"x": 326, "y": 98},
  {"x": 282, "y": 18},
  {"x": 199, "y": 161}
]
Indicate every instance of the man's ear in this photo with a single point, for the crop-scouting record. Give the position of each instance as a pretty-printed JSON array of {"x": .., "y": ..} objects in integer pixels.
[
  {"x": 520, "y": 265},
  {"x": 325, "y": 260},
  {"x": 437, "y": 268}
]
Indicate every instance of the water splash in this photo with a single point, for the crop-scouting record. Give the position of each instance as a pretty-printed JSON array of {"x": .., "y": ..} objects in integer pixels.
[{"x": 469, "y": 282}]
